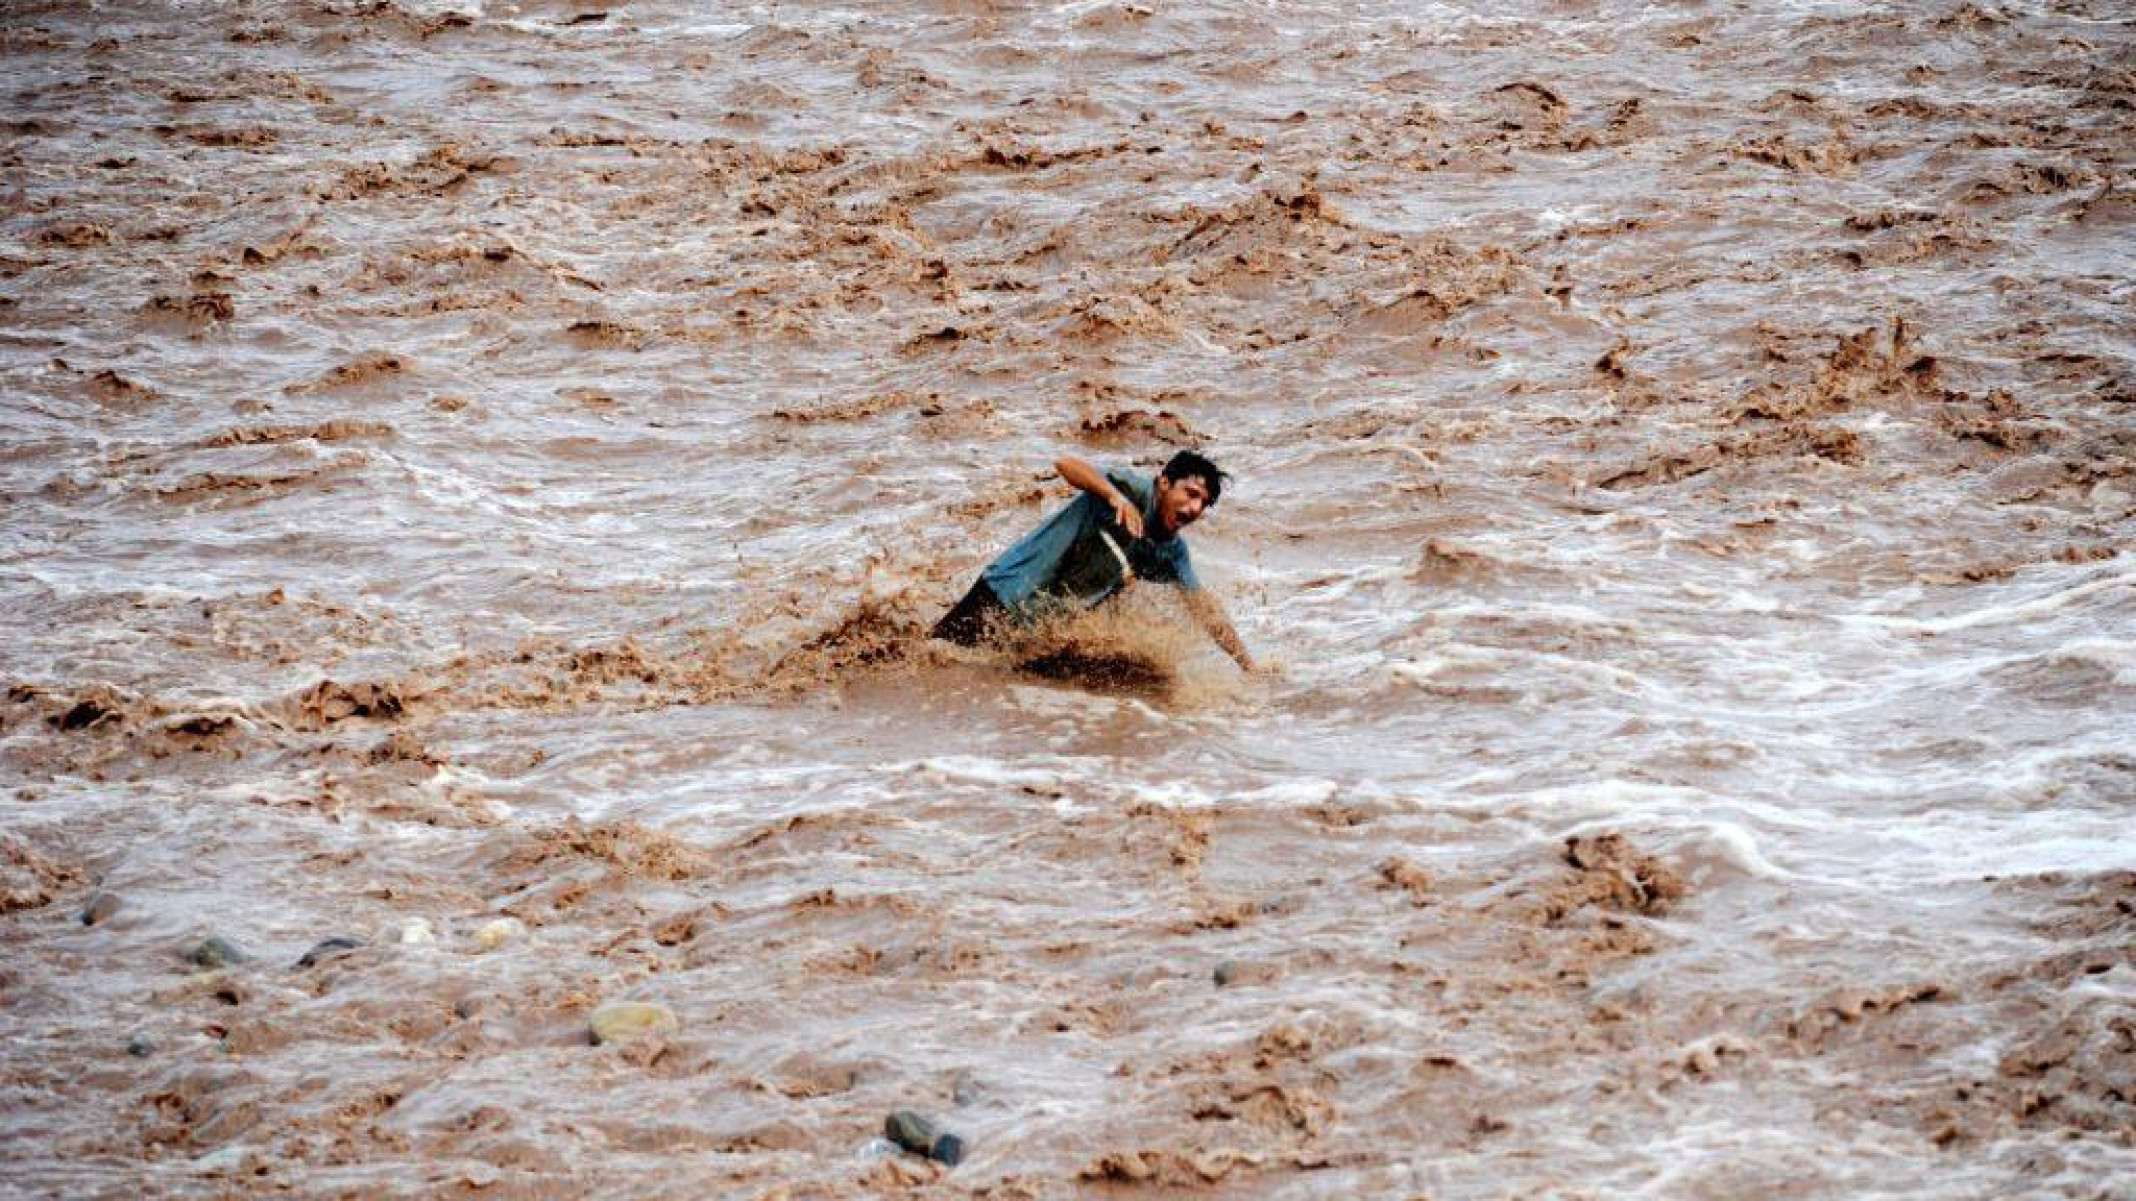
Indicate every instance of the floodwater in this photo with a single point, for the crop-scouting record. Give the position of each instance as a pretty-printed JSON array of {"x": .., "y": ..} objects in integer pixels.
[{"x": 485, "y": 460}]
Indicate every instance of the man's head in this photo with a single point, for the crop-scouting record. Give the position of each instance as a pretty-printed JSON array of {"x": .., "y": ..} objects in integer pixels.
[{"x": 1188, "y": 486}]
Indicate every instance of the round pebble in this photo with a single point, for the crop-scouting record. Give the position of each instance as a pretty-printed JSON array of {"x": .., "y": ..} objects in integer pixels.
[
  {"x": 100, "y": 907},
  {"x": 215, "y": 951}
]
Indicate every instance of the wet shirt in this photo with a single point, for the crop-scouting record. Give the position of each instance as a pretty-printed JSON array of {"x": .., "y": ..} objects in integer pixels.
[{"x": 1066, "y": 560}]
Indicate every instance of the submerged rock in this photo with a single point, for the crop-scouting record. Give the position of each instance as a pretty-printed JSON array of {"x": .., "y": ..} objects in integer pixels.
[
  {"x": 228, "y": 1160},
  {"x": 416, "y": 931},
  {"x": 215, "y": 951},
  {"x": 140, "y": 1046},
  {"x": 628, "y": 1020},
  {"x": 922, "y": 1137},
  {"x": 100, "y": 908},
  {"x": 330, "y": 948}
]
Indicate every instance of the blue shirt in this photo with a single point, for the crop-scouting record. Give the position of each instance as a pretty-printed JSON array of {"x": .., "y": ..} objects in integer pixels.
[{"x": 1066, "y": 562}]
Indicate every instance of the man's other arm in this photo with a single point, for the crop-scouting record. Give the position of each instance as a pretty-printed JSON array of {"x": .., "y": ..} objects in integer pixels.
[{"x": 1208, "y": 612}]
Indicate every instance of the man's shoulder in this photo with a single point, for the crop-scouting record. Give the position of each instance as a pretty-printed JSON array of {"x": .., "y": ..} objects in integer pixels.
[{"x": 1139, "y": 487}]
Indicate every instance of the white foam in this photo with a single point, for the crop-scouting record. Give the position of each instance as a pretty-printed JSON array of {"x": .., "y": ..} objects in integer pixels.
[
  {"x": 972, "y": 769},
  {"x": 1733, "y": 844},
  {"x": 1293, "y": 792},
  {"x": 1995, "y": 614},
  {"x": 1497, "y": 659}
]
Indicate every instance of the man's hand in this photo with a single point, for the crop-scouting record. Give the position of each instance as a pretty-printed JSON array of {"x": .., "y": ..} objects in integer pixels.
[{"x": 1129, "y": 517}]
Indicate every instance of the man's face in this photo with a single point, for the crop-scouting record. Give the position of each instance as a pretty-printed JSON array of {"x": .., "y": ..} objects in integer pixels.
[{"x": 1180, "y": 503}]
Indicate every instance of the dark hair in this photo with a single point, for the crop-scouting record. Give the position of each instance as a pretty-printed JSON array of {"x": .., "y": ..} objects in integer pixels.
[{"x": 1188, "y": 465}]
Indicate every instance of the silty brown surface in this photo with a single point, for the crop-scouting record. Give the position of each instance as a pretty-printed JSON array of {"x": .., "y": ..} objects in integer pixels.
[{"x": 477, "y": 462}]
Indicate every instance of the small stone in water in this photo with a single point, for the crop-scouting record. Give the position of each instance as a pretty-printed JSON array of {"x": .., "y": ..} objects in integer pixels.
[
  {"x": 328, "y": 949},
  {"x": 416, "y": 931},
  {"x": 630, "y": 1019},
  {"x": 229, "y": 1159},
  {"x": 140, "y": 1046},
  {"x": 215, "y": 952},
  {"x": 491, "y": 935},
  {"x": 1250, "y": 971},
  {"x": 922, "y": 1137},
  {"x": 100, "y": 907}
]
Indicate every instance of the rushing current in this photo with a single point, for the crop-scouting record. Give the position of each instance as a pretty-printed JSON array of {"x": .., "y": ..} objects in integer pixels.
[{"x": 478, "y": 475}]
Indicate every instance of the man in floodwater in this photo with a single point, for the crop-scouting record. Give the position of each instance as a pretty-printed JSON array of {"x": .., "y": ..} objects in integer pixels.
[{"x": 1123, "y": 527}]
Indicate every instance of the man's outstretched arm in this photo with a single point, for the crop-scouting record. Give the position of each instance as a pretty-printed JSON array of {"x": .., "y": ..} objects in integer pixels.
[
  {"x": 1208, "y": 612},
  {"x": 1086, "y": 476}
]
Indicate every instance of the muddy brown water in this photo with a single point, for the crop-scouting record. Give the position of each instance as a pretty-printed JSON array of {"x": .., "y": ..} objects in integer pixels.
[{"x": 480, "y": 460}]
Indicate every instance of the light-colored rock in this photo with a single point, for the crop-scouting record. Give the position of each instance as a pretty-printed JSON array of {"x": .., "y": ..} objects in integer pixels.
[
  {"x": 627, "y": 1021},
  {"x": 417, "y": 931},
  {"x": 493, "y": 934}
]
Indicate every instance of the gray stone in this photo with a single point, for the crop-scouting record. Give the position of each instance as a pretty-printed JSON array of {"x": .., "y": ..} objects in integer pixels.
[
  {"x": 100, "y": 908},
  {"x": 216, "y": 951},
  {"x": 1243, "y": 971},
  {"x": 331, "y": 948},
  {"x": 921, "y": 1136},
  {"x": 140, "y": 1046}
]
